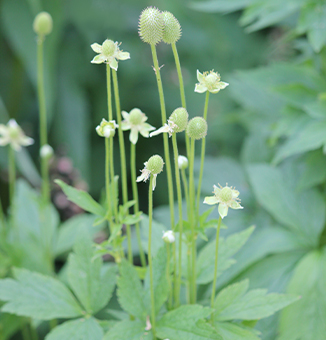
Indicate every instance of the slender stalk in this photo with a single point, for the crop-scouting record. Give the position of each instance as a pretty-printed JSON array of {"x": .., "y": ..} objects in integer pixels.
[
  {"x": 168, "y": 272},
  {"x": 179, "y": 195},
  {"x": 189, "y": 294},
  {"x": 107, "y": 182},
  {"x": 150, "y": 262},
  {"x": 192, "y": 220},
  {"x": 185, "y": 188},
  {"x": 165, "y": 136},
  {"x": 135, "y": 198},
  {"x": 202, "y": 156},
  {"x": 43, "y": 124},
  {"x": 216, "y": 261},
  {"x": 12, "y": 174},
  {"x": 113, "y": 186},
  {"x": 122, "y": 157},
  {"x": 2, "y": 215},
  {"x": 108, "y": 88}
]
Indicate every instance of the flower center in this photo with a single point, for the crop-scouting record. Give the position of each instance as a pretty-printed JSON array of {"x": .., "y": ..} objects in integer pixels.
[
  {"x": 108, "y": 48},
  {"x": 226, "y": 194},
  {"x": 13, "y": 133},
  {"x": 135, "y": 117},
  {"x": 211, "y": 79}
]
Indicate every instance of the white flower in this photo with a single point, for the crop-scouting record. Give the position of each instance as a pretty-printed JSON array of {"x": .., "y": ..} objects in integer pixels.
[
  {"x": 109, "y": 53},
  {"x": 13, "y": 134},
  {"x": 209, "y": 81},
  {"x": 135, "y": 122},
  {"x": 183, "y": 162},
  {"x": 226, "y": 198},
  {"x": 168, "y": 236},
  {"x": 46, "y": 151},
  {"x": 106, "y": 128},
  {"x": 170, "y": 128}
]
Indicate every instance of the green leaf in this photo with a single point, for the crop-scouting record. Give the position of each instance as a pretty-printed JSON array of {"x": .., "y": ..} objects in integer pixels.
[
  {"x": 186, "y": 323},
  {"x": 306, "y": 319},
  {"x": 128, "y": 330},
  {"x": 223, "y": 6},
  {"x": 235, "y": 302},
  {"x": 130, "y": 291},
  {"x": 37, "y": 296},
  {"x": 304, "y": 214},
  {"x": 82, "y": 199},
  {"x": 160, "y": 283},
  {"x": 227, "y": 248},
  {"x": 80, "y": 329},
  {"x": 231, "y": 331},
  {"x": 92, "y": 286}
]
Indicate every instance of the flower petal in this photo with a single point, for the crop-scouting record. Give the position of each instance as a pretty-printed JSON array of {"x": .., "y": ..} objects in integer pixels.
[
  {"x": 125, "y": 115},
  {"x": 26, "y": 141},
  {"x": 125, "y": 125},
  {"x": 113, "y": 64},
  {"x": 235, "y": 205},
  {"x": 200, "y": 88},
  {"x": 154, "y": 181},
  {"x": 223, "y": 210},
  {"x": 98, "y": 59},
  {"x": 200, "y": 77},
  {"x": 211, "y": 200},
  {"x": 4, "y": 140},
  {"x": 133, "y": 137},
  {"x": 123, "y": 55},
  {"x": 97, "y": 48},
  {"x": 164, "y": 128}
]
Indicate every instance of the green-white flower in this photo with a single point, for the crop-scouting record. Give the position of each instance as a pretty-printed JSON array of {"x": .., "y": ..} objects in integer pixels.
[
  {"x": 170, "y": 128},
  {"x": 13, "y": 134},
  {"x": 135, "y": 121},
  {"x": 168, "y": 236},
  {"x": 226, "y": 198},
  {"x": 109, "y": 53},
  {"x": 209, "y": 81},
  {"x": 106, "y": 128},
  {"x": 153, "y": 166}
]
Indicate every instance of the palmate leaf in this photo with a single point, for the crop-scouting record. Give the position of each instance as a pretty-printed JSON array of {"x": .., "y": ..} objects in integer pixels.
[
  {"x": 236, "y": 302},
  {"x": 128, "y": 330},
  {"x": 37, "y": 296},
  {"x": 186, "y": 323},
  {"x": 80, "y": 329},
  {"x": 82, "y": 199}
]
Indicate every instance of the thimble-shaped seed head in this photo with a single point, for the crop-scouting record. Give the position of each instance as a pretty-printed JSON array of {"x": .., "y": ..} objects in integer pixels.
[
  {"x": 151, "y": 25},
  {"x": 180, "y": 118},
  {"x": 155, "y": 164},
  {"x": 197, "y": 128},
  {"x": 108, "y": 48},
  {"x": 136, "y": 117},
  {"x": 43, "y": 24},
  {"x": 172, "y": 28},
  {"x": 226, "y": 194}
]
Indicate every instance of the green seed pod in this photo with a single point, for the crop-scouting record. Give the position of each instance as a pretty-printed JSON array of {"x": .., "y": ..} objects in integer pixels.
[
  {"x": 136, "y": 117},
  {"x": 155, "y": 164},
  {"x": 43, "y": 24},
  {"x": 180, "y": 118},
  {"x": 151, "y": 25},
  {"x": 172, "y": 28},
  {"x": 197, "y": 128}
]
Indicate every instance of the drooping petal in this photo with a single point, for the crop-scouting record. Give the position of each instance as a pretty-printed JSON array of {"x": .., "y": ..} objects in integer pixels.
[
  {"x": 200, "y": 76},
  {"x": 235, "y": 193},
  {"x": 25, "y": 141},
  {"x": 154, "y": 181},
  {"x": 148, "y": 127},
  {"x": 133, "y": 137},
  {"x": 97, "y": 48},
  {"x": 200, "y": 88},
  {"x": 123, "y": 55},
  {"x": 144, "y": 176},
  {"x": 15, "y": 145},
  {"x": 125, "y": 125},
  {"x": 4, "y": 140},
  {"x": 113, "y": 64},
  {"x": 211, "y": 200},
  {"x": 223, "y": 209},
  {"x": 144, "y": 132},
  {"x": 98, "y": 59},
  {"x": 164, "y": 128},
  {"x": 235, "y": 205}
]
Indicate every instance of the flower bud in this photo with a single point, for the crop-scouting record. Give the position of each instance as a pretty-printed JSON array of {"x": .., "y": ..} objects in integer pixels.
[
  {"x": 106, "y": 129},
  {"x": 155, "y": 164},
  {"x": 168, "y": 236},
  {"x": 43, "y": 24},
  {"x": 197, "y": 128},
  {"x": 46, "y": 151},
  {"x": 151, "y": 25},
  {"x": 180, "y": 118},
  {"x": 172, "y": 28},
  {"x": 183, "y": 162}
]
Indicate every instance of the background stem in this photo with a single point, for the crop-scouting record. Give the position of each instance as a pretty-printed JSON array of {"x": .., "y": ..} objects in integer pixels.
[{"x": 12, "y": 174}]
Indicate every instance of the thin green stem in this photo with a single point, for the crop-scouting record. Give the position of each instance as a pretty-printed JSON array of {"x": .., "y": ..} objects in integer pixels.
[
  {"x": 189, "y": 294},
  {"x": 12, "y": 174},
  {"x": 135, "y": 198},
  {"x": 185, "y": 188},
  {"x": 192, "y": 220},
  {"x": 107, "y": 182},
  {"x": 2, "y": 215},
  {"x": 122, "y": 157},
  {"x": 108, "y": 89},
  {"x": 165, "y": 136},
  {"x": 43, "y": 124},
  {"x": 25, "y": 332},
  {"x": 168, "y": 275},
  {"x": 150, "y": 262},
  {"x": 216, "y": 261},
  {"x": 202, "y": 157},
  {"x": 113, "y": 186},
  {"x": 179, "y": 195}
]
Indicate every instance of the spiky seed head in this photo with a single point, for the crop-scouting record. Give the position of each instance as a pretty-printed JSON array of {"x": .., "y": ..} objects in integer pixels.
[
  {"x": 180, "y": 118},
  {"x": 155, "y": 164},
  {"x": 197, "y": 128},
  {"x": 43, "y": 24},
  {"x": 151, "y": 25},
  {"x": 172, "y": 28}
]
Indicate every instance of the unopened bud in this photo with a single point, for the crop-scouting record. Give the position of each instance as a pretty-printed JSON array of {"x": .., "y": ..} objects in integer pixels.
[
  {"x": 172, "y": 28},
  {"x": 168, "y": 237},
  {"x": 197, "y": 128},
  {"x": 183, "y": 162},
  {"x": 46, "y": 151},
  {"x": 43, "y": 24}
]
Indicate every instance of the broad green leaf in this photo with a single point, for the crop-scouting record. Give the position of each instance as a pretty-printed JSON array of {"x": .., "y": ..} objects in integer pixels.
[
  {"x": 306, "y": 319},
  {"x": 311, "y": 137},
  {"x": 128, "y": 330},
  {"x": 92, "y": 287},
  {"x": 304, "y": 214},
  {"x": 236, "y": 302},
  {"x": 186, "y": 323},
  {"x": 160, "y": 283},
  {"x": 227, "y": 248},
  {"x": 231, "y": 331},
  {"x": 80, "y": 329},
  {"x": 82, "y": 199},
  {"x": 130, "y": 291},
  {"x": 37, "y": 296}
]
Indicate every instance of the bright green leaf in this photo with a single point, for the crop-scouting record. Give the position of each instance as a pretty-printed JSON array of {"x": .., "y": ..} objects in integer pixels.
[
  {"x": 231, "y": 331},
  {"x": 128, "y": 330}
]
